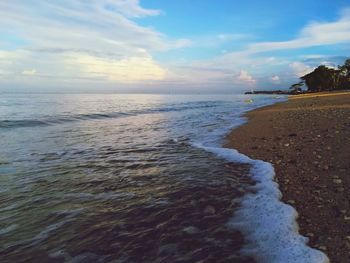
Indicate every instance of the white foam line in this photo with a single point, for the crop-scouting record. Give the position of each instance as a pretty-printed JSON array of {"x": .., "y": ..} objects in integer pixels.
[{"x": 269, "y": 226}]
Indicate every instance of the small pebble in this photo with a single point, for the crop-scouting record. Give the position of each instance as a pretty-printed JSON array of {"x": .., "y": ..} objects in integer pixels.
[
  {"x": 337, "y": 181},
  {"x": 191, "y": 230},
  {"x": 322, "y": 248},
  {"x": 209, "y": 210}
]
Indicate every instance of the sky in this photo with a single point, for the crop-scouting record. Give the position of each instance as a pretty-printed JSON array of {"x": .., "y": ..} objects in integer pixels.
[{"x": 167, "y": 46}]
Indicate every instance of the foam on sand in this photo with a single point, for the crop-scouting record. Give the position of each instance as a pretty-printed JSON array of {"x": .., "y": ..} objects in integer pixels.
[{"x": 269, "y": 226}]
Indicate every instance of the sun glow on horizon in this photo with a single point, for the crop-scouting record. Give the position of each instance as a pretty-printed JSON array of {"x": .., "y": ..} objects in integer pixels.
[
  {"x": 134, "y": 69},
  {"x": 128, "y": 44}
]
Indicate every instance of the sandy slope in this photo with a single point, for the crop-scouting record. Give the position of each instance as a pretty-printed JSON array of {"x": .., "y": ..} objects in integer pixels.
[{"x": 307, "y": 139}]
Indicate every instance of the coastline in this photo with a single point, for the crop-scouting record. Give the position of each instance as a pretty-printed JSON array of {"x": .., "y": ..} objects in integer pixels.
[{"x": 307, "y": 139}]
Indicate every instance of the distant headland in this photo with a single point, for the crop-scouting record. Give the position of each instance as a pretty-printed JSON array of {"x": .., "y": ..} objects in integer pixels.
[{"x": 279, "y": 92}]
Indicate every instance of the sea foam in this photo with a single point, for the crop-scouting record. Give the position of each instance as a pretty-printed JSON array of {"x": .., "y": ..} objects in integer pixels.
[{"x": 269, "y": 226}]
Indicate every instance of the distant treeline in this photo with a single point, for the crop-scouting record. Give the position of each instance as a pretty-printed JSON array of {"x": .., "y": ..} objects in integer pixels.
[
  {"x": 325, "y": 79},
  {"x": 322, "y": 78},
  {"x": 278, "y": 92}
]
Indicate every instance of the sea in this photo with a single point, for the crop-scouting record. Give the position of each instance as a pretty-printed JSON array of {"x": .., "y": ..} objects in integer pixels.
[{"x": 138, "y": 178}]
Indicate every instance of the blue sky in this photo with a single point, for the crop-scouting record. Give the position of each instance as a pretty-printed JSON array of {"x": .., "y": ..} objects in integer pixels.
[{"x": 167, "y": 46}]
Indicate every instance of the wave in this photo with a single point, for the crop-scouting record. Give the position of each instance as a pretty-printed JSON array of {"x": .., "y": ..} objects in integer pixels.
[
  {"x": 268, "y": 224},
  {"x": 8, "y": 124}
]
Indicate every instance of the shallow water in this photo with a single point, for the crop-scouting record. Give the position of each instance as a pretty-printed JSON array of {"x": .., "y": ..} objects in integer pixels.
[{"x": 100, "y": 178}]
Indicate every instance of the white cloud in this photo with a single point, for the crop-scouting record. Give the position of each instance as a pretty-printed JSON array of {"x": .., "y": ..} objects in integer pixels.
[
  {"x": 232, "y": 37},
  {"x": 300, "y": 69},
  {"x": 102, "y": 40},
  {"x": 314, "y": 34},
  {"x": 253, "y": 60},
  {"x": 329, "y": 64},
  {"x": 131, "y": 8},
  {"x": 245, "y": 77},
  {"x": 97, "y": 32},
  {"x": 126, "y": 70},
  {"x": 29, "y": 72},
  {"x": 217, "y": 41},
  {"x": 275, "y": 78}
]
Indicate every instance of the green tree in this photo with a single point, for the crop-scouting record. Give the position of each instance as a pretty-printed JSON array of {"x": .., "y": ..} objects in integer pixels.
[
  {"x": 344, "y": 72},
  {"x": 324, "y": 78},
  {"x": 296, "y": 88},
  {"x": 345, "y": 69},
  {"x": 318, "y": 80}
]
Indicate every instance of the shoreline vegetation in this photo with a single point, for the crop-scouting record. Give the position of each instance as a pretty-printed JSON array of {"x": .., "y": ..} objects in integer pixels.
[
  {"x": 323, "y": 78},
  {"x": 307, "y": 139}
]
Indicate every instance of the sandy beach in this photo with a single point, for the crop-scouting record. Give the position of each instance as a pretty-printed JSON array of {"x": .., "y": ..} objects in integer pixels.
[{"x": 307, "y": 139}]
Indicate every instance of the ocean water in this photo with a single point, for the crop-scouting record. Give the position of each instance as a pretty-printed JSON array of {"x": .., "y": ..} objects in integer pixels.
[{"x": 137, "y": 178}]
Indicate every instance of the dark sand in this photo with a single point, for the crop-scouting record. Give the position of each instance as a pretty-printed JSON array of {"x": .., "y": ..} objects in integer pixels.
[{"x": 307, "y": 139}]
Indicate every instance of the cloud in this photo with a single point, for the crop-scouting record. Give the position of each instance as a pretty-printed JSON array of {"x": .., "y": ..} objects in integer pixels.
[
  {"x": 300, "y": 69},
  {"x": 275, "y": 78},
  {"x": 132, "y": 69},
  {"x": 313, "y": 34},
  {"x": 103, "y": 40},
  {"x": 29, "y": 72},
  {"x": 90, "y": 25},
  {"x": 253, "y": 58},
  {"x": 245, "y": 77},
  {"x": 232, "y": 37},
  {"x": 61, "y": 38},
  {"x": 130, "y": 8},
  {"x": 218, "y": 40}
]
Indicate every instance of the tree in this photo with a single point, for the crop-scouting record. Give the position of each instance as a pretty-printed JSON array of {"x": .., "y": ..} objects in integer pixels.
[
  {"x": 344, "y": 72},
  {"x": 325, "y": 79},
  {"x": 335, "y": 75},
  {"x": 318, "y": 80},
  {"x": 345, "y": 69},
  {"x": 296, "y": 88}
]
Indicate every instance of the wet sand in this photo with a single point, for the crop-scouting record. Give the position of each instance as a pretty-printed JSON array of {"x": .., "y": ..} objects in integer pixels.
[{"x": 307, "y": 139}]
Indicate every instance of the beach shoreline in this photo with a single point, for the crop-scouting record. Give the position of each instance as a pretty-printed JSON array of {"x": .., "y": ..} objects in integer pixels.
[{"x": 307, "y": 139}]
